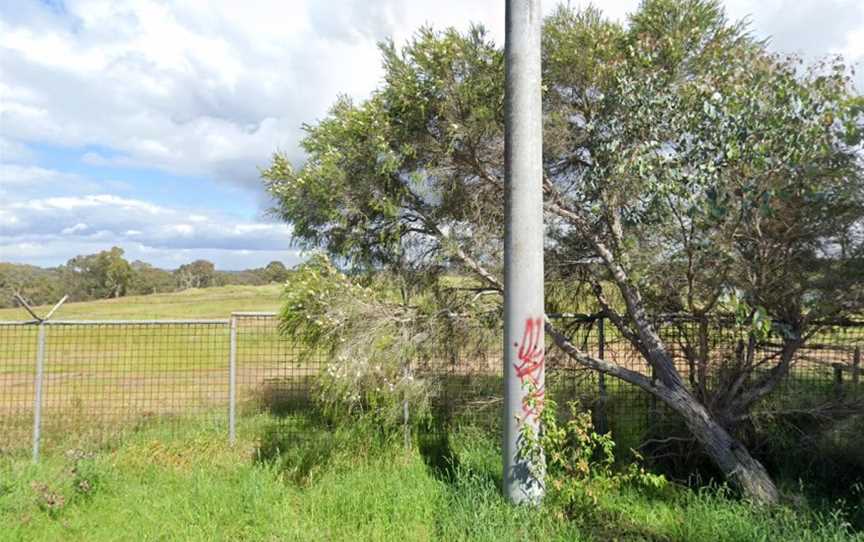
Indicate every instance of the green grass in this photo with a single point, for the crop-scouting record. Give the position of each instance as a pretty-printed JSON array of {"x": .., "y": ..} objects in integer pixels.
[
  {"x": 194, "y": 303},
  {"x": 315, "y": 483}
]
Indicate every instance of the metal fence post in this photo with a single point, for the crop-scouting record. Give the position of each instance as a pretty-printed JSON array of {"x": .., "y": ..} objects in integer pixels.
[
  {"x": 232, "y": 382},
  {"x": 37, "y": 401}
]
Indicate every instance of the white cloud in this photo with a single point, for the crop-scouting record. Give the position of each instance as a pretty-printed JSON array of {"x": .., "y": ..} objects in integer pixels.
[
  {"x": 185, "y": 230},
  {"x": 7, "y": 218},
  {"x": 72, "y": 203},
  {"x": 20, "y": 175},
  {"x": 209, "y": 89},
  {"x": 13, "y": 151},
  {"x": 197, "y": 88},
  {"x": 123, "y": 217},
  {"x": 74, "y": 229},
  {"x": 62, "y": 226},
  {"x": 212, "y": 88},
  {"x": 24, "y": 181}
]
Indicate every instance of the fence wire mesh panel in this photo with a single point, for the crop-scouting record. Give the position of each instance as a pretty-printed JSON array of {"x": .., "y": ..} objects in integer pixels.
[
  {"x": 464, "y": 377},
  {"x": 818, "y": 390},
  {"x": 17, "y": 371},
  {"x": 103, "y": 379},
  {"x": 275, "y": 374},
  {"x": 823, "y": 378},
  {"x": 616, "y": 406}
]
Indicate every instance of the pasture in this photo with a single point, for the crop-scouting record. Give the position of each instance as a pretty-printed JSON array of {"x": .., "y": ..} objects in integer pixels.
[{"x": 217, "y": 302}]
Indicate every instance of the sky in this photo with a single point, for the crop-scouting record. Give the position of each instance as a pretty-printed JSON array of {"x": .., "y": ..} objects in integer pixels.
[{"x": 144, "y": 124}]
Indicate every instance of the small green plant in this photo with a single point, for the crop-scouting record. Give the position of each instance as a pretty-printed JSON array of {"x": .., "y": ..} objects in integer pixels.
[
  {"x": 579, "y": 463},
  {"x": 85, "y": 475}
]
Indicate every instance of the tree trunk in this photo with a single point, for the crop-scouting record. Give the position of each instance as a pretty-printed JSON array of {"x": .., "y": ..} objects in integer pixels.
[
  {"x": 733, "y": 458},
  {"x": 730, "y": 456}
]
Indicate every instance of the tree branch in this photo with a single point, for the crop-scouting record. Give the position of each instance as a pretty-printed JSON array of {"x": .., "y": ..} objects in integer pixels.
[
  {"x": 601, "y": 365},
  {"x": 770, "y": 381},
  {"x": 654, "y": 350}
]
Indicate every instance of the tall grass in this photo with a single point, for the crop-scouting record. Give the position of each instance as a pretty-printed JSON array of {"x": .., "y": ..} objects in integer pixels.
[{"x": 296, "y": 478}]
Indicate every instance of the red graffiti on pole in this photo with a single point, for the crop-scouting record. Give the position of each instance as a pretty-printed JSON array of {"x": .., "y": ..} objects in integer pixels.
[{"x": 530, "y": 368}]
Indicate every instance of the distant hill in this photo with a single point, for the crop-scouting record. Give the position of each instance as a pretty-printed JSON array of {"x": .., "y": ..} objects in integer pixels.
[
  {"x": 214, "y": 302},
  {"x": 109, "y": 275}
]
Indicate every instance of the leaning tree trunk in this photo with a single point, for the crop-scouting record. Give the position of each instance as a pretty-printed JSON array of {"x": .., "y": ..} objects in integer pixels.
[
  {"x": 733, "y": 458},
  {"x": 730, "y": 456}
]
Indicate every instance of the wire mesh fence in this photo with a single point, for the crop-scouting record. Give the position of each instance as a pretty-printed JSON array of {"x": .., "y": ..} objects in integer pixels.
[
  {"x": 103, "y": 378},
  {"x": 69, "y": 382},
  {"x": 823, "y": 382},
  {"x": 17, "y": 367},
  {"x": 275, "y": 375},
  {"x": 82, "y": 383}
]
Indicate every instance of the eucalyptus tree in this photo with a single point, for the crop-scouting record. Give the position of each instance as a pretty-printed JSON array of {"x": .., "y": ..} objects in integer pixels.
[
  {"x": 96, "y": 276},
  {"x": 684, "y": 165},
  {"x": 198, "y": 274}
]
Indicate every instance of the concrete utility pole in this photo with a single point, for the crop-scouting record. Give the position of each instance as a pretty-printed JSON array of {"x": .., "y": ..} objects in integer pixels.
[{"x": 524, "y": 366}]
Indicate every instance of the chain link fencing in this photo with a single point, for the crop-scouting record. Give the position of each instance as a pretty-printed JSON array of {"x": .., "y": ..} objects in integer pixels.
[{"x": 85, "y": 383}]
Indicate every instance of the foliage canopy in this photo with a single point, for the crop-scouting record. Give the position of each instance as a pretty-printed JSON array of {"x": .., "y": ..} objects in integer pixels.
[{"x": 686, "y": 169}]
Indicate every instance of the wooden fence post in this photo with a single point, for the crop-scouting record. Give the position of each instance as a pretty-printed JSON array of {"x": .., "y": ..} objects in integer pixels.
[
  {"x": 856, "y": 365},
  {"x": 602, "y": 423},
  {"x": 838, "y": 380}
]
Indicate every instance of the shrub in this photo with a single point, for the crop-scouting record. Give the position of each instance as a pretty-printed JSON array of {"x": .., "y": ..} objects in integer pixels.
[{"x": 579, "y": 463}]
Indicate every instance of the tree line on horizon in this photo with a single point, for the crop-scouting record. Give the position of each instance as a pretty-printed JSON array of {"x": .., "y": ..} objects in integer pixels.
[{"x": 108, "y": 274}]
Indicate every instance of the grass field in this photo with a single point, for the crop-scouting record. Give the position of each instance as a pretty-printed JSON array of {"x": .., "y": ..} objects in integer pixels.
[
  {"x": 346, "y": 484},
  {"x": 194, "y": 303},
  {"x": 108, "y": 376}
]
